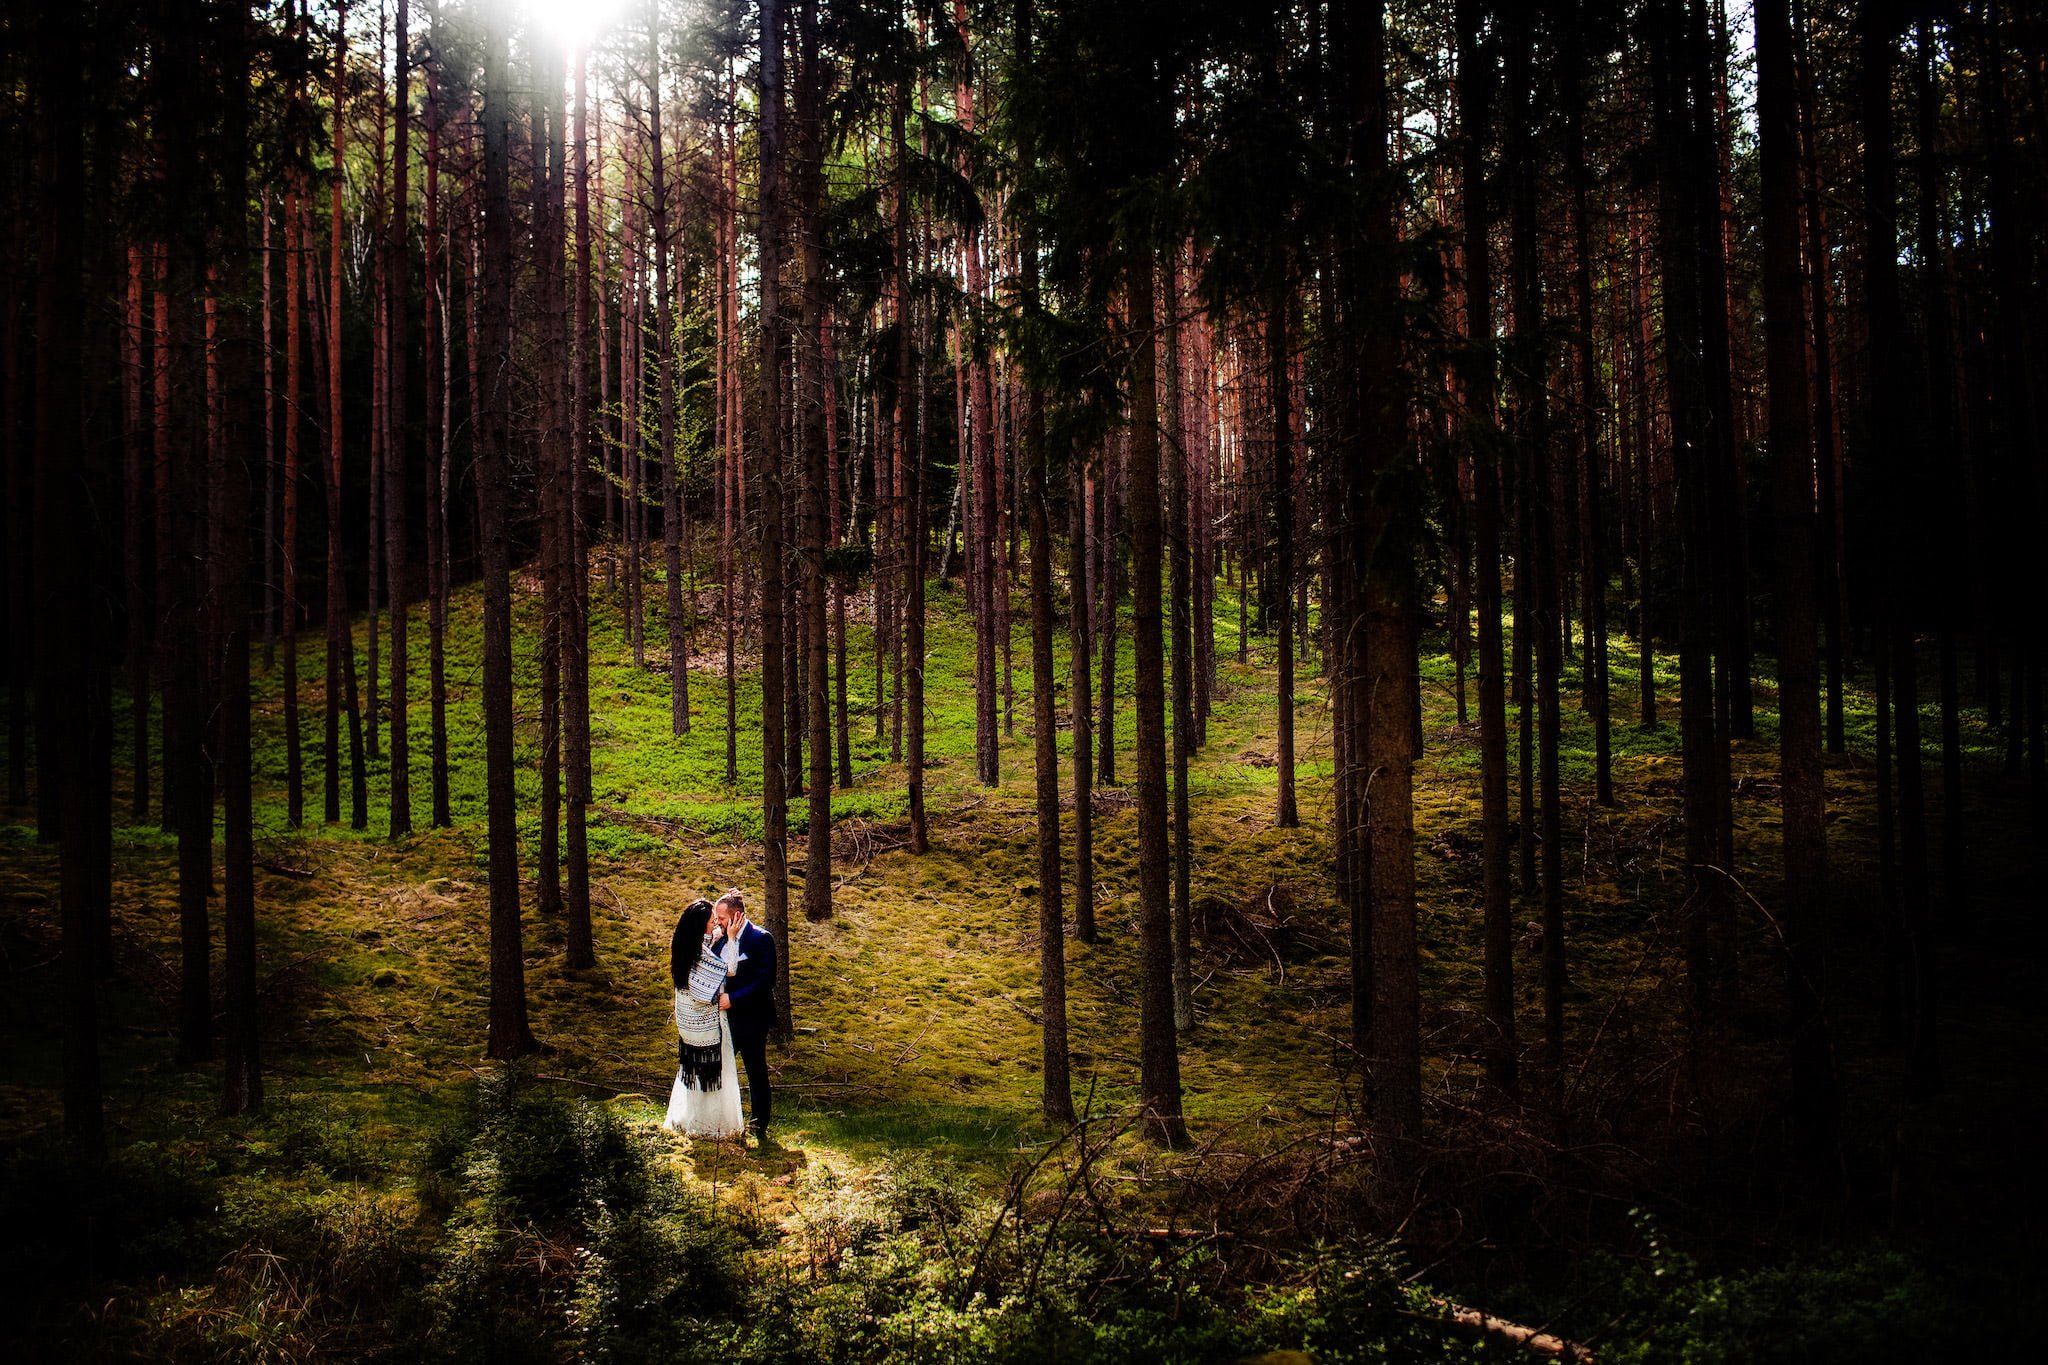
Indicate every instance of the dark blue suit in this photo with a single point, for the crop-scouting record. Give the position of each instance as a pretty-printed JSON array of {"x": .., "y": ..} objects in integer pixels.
[{"x": 751, "y": 1015}]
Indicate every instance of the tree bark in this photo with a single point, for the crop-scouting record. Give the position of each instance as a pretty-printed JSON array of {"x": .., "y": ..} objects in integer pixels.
[
  {"x": 1892, "y": 431},
  {"x": 1475, "y": 88},
  {"x": 509, "y": 1034},
  {"x": 1159, "y": 1052},
  {"x": 1056, "y": 1101},
  {"x": 242, "y": 1089},
  {"x": 1279, "y": 388},
  {"x": 811, "y": 408},
  {"x": 1081, "y": 698},
  {"x": 575, "y": 625},
  {"x": 1179, "y": 570},
  {"x": 73, "y": 719},
  {"x": 1803, "y": 790},
  {"x": 397, "y": 349},
  {"x": 768, "y": 446},
  {"x": 671, "y": 480}
]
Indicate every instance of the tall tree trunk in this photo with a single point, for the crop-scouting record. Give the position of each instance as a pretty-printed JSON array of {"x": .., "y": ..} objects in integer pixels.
[
  {"x": 242, "y": 1089},
  {"x": 295, "y": 240},
  {"x": 768, "y": 445},
  {"x": 17, "y": 522},
  {"x": 1532, "y": 418},
  {"x": 341, "y": 666},
  {"x": 1056, "y": 1100},
  {"x": 1109, "y": 590},
  {"x": 1820, "y": 288},
  {"x": 671, "y": 480},
  {"x": 1951, "y": 570},
  {"x": 397, "y": 349},
  {"x": 188, "y": 751},
  {"x": 73, "y": 717},
  {"x": 1803, "y": 790},
  {"x": 575, "y": 624},
  {"x": 438, "y": 349},
  {"x": 1081, "y": 698},
  {"x": 1685, "y": 301},
  {"x": 1159, "y": 1052},
  {"x": 1386, "y": 692},
  {"x": 551, "y": 454},
  {"x": 1891, "y": 426},
  {"x": 985, "y": 546},
  {"x": 1475, "y": 89},
  {"x": 1592, "y": 404},
  {"x": 509, "y": 1034},
  {"x": 135, "y": 656},
  {"x": 817, "y": 673},
  {"x": 910, "y": 465},
  {"x": 1280, "y": 389},
  {"x": 1179, "y": 569}
]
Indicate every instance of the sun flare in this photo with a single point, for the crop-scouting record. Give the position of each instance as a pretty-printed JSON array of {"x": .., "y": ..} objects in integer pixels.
[{"x": 573, "y": 22}]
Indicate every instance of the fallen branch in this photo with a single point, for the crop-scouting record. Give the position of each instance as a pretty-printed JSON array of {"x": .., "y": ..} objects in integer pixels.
[
  {"x": 301, "y": 873},
  {"x": 1528, "y": 1338}
]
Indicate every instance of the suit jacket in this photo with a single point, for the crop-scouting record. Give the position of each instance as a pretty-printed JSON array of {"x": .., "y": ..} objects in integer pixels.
[{"x": 751, "y": 987}]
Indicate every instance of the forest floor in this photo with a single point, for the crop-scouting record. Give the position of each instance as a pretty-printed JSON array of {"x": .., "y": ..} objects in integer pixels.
[{"x": 915, "y": 1004}]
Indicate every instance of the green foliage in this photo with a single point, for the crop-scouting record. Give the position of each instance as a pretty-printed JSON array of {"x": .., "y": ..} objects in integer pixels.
[
  {"x": 571, "y": 1227},
  {"x": 1852, "y": 1305}
]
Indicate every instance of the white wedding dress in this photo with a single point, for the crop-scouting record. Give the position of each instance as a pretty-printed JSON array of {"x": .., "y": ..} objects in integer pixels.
[{"x": 698, "y": 1104}]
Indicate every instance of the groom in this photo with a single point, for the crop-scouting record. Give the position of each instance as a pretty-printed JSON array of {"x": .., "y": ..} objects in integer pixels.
[{"x": 748, "y": 999}]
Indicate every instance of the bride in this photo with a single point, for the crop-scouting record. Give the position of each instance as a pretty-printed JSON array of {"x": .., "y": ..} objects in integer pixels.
[{"x": 706, "y": 1099}]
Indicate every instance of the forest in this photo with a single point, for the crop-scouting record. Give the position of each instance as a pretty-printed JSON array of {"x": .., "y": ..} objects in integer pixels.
[{"x": 1361, "y": 668}]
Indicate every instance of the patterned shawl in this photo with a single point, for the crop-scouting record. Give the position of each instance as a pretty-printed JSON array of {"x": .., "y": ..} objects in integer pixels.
[{"x": 698, "y": 1024}]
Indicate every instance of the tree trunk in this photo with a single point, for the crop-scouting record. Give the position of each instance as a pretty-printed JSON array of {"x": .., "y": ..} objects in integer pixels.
[
  {"x": 509, "y": 1034},
  {"x": 1951, "y": 570},
  {"x": 1081, "y": 698},
  {"x": 575, "y": 624},
  {"x": 1056, "y": 1094},
  {"x": 910, "y": 464},
  {"x": 768, "y": 480},
  {"x": 438, "y": 349},
  {"x": 295, "y": 240},
  {"x": 242, "y": 1090},
  {"x": 1174, "y": 456},
  {"x": 1532, "y": 419},
  {"x": 552, "y": 454},
  {"x": 1385, "y": 694},
  {"x": 397, "y": 348},
  {"x": 1684, "y": 304},
  {"x": 1109, "y": 588},
  {"x": 817, "y": 671},
  {"x": 1592, "y": 403},
  {"x": 1803, "y": 791},
  {"x": 671, "y": 481},
  {"x": 1475, "y": 88},
  {"x": 1159, "y": 1053},
  {"x": 1892, "y": 431},
  {"x": 73, "y": 719},
  {"x": 1279, "y": 387}
]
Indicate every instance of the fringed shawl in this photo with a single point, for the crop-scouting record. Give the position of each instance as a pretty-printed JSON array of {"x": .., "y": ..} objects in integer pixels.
[{"x": 698, "y": 1023}]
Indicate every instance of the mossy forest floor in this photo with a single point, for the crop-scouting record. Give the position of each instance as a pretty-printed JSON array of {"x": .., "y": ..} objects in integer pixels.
[{"x": 915, "y": 1003}]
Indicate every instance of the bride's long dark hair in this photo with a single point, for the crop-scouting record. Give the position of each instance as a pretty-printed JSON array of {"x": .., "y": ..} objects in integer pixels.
[{"x": 687, "y": 945}]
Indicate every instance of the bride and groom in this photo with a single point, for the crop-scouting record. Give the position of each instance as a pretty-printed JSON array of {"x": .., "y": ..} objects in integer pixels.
[{"x": 722, "y": 967}]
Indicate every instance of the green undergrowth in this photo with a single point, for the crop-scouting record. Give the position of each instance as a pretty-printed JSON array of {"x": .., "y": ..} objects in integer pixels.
[
  {"x": 917, "y": 1036},
  {"x": 520, "y": 1224}
]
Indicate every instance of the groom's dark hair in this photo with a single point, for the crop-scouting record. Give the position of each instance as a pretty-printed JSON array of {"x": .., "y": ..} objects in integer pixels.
[{"x": 735, "y": 900}]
